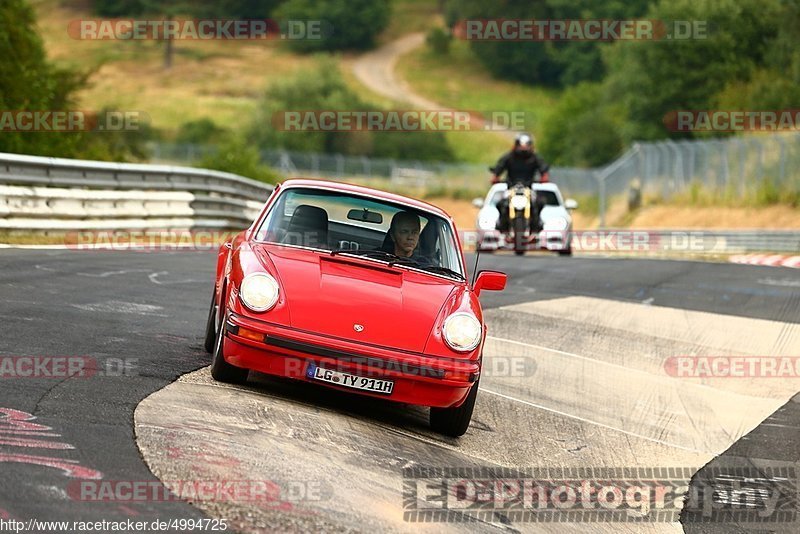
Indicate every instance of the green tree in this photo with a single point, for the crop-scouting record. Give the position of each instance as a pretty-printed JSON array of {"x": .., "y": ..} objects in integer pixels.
[
  {"x": 652, "y": 79},
  {"x": 552, "y": 63},
  {"x": 28, "y": 82},
  {"x": 236, "y": 156},
  {"x": 347, "y": 24},
  {"x": 253, "y": 9},
  {"x": 583, "y": 129}
]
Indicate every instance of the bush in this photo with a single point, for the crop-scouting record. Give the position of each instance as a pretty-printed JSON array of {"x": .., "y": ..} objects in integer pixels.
[
  {"x": 438, "y": 40},
  {"x": 29, "y": 82},
  {"x": 582, "y": 130},
  {"x": 347, "y": 24},
  {"x": 237, "y": 157},
  {"x": 322, "y": 88},
  {"x": 200, "y": 132},
  {"x": 254, "y": 9}
]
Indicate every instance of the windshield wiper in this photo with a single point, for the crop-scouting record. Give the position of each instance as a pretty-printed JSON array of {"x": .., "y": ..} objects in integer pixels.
[
  {"x": 393, "y": 259},
  {"x": 403, "y": 261},
  {"x": 443, "y": 270},
  {"x": 368, "y": 253}
]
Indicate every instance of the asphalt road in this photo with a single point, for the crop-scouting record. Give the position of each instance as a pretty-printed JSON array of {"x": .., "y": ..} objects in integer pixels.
[{"x": 582, "y": 322}]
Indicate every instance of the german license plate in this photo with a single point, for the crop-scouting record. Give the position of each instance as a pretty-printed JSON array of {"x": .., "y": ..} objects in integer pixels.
[{"x": 373, "y": 385}]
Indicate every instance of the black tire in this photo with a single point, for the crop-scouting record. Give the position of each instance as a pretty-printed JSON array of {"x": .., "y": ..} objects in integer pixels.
[
  {"x": 454, "y": 422},
  {"x": 211, "y": 327},
  {"x": 519, "y": 236},
  {"x": 221, "y": 370},
  {"x": 565, "y": 252}
]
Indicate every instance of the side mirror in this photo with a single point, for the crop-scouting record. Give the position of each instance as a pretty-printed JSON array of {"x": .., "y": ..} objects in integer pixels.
[
  {"x": 571, "y": 204},
  {"x": 490, "y": 281},
  {"x": 477, "y": 202}
]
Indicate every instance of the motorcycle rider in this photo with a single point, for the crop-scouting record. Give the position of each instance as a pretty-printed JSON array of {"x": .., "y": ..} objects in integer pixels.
[{"x": 521, "y": 164}]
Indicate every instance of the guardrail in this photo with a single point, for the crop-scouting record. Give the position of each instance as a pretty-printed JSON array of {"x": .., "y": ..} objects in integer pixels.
[
  {"x": 720, "y": 241},
  {"x": 53, "y": 194},
  {"x": 41, "y": 194}
]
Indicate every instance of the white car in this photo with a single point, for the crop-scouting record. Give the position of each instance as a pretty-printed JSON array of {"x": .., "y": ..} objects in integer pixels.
[{"x": 556, "y": 218}]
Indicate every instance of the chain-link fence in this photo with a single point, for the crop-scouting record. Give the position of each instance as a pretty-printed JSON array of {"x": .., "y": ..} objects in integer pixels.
[
  {"x": 758, "y": 167},
  {"x": 732, "y": 168},
  {"x": 425, "y": 174}
]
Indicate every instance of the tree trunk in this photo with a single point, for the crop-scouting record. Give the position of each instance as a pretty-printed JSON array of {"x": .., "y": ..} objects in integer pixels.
[{"x": 169, "y": 49}]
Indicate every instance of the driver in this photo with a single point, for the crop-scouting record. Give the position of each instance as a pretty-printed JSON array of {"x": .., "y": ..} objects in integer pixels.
[
  {"x": 521, "y": 165},
  {"x": 404, "y": 233},
  {"x": 404, "y": 230}
]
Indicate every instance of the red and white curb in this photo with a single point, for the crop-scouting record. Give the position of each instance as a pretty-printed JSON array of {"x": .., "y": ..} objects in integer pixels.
[{"x": 771, "y": 260}]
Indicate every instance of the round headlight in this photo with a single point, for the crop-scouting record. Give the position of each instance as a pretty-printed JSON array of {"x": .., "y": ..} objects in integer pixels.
[
  {"x": 259, "y": 292},
  {"x": 519, "y": 202},
  {"x": 462, "y": 332}
]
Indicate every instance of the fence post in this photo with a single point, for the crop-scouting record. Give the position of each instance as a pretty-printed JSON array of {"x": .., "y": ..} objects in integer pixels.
[
  {"x": 782, "y": 163},
  {"x": 601, "y": 193},
  {"x": 339, "y": 165}
]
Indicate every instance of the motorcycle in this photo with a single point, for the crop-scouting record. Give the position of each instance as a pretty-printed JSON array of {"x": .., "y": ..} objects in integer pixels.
[
  {"x": 519, "y": 216},
  {"x": 518, "y": 199}
]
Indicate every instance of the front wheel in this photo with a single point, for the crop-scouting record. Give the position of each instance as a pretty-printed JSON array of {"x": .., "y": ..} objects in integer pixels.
[
  {"x": 565, "y": 252},
  {"x": 221, "y": 370},
  {"x": 211, "y": 327},
  {"x": 520, "y": 226},
  {"x": 454, "y": 422}
]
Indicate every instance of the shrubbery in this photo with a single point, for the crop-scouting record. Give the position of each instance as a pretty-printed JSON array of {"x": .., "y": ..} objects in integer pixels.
[
  {"x": 322, "y": 88},
  {"x": 348, "y": 24}
]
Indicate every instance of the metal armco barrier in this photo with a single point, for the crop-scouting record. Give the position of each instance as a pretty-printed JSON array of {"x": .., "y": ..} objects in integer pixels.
[{"x": 53, "y": 194}]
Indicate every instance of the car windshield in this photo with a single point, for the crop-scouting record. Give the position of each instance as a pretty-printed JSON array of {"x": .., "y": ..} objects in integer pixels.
[
  {"x": 548, "y": 198},
  {"x": 349, "y": 224}
]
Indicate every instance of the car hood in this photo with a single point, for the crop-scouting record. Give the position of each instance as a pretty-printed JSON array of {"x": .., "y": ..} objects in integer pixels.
[{"x": 356, "y": 299}]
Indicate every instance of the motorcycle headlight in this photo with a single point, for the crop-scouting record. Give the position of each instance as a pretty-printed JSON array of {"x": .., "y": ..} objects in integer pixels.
[
  {"x": 259, "y": 292},
  {"x": 462, "y": 332},
  {"x": 519, "y": 202}
]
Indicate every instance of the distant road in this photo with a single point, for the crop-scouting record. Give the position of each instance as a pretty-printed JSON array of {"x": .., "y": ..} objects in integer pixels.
[{"x": 377, "y": 70}]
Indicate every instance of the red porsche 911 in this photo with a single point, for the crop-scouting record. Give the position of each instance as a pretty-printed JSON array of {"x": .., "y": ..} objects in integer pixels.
[{"x": 354, "y": 289}]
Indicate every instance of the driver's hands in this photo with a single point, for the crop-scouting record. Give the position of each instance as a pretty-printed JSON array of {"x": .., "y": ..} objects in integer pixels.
[
  {"x": 495, "y": 179},
  {"x": 545, "y": 177}
]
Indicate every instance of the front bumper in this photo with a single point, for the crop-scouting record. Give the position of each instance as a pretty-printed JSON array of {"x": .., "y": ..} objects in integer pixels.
[
  {"x": 418, "y": 379},
  {"x": 552, "y": 240}
]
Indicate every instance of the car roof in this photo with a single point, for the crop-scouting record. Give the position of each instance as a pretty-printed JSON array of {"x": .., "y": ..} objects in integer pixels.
[
  {"x": 367, "y": 191},
  {"x": 546, "y": 186}
]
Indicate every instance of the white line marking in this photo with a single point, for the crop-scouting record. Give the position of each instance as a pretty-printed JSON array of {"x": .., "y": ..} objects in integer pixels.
[
  {"x": 582, "y": 419},
  {"x": 114, "y": 273}
]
